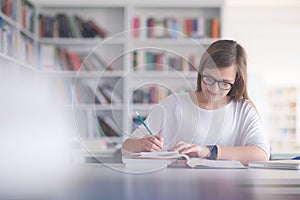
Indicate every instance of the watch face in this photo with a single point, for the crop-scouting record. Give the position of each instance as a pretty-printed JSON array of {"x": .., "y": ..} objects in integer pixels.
[{"x": 213, "y": 152}]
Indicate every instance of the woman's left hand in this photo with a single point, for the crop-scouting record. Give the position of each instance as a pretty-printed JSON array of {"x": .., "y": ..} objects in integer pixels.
[{"x": 191, "y": 150}]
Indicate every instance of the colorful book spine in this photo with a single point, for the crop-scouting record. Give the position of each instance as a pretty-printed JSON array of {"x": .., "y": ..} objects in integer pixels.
[
  {"x": 169, "y": 27},
  {"x": 135, "y": 27}
]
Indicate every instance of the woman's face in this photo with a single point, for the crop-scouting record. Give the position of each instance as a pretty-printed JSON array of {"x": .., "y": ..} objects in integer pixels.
[{"x": 213, "y": 79}]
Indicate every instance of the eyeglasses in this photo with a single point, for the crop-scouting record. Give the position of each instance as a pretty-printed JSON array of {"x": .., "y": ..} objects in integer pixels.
[{"x": 222, "y": 84}]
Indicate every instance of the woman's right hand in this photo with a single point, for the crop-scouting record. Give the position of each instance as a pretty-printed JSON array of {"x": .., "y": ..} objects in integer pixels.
[{"x": 150, "y": 143}]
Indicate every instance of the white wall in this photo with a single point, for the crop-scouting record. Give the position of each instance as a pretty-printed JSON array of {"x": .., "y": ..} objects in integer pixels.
[{"x": 270, "y": 32}]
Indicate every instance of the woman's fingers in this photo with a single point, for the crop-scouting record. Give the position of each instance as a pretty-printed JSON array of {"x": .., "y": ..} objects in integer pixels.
[
  {"x": 151, "y": 143},
  {"x": 195, "y": 150},
  {"x": 180, "y": 146},
  {"x": 159, "y": 138},
  {"x": 156, "y": 141},
  {"x": 190, "y": 149},
  {"x": 151, "y": 147}
]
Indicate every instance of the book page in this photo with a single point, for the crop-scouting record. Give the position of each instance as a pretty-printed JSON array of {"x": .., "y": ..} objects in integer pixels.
[
  {"x": 158, "y": 155},
  {"x": 205, "y": 163}
]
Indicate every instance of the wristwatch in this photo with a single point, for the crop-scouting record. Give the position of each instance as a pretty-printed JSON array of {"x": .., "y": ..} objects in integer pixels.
[{"x": 213, "y": 152}]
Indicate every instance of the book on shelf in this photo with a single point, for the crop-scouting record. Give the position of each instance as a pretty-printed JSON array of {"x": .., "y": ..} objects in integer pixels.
[
  {"x": 173, "y": 159},
  {"x": 74, "y": 30},
  {"x": 1, "y": 29},
  {"x": 98, "y": 128},
  {"x": 9, "y": 40},
  {"x": 86, "y": 63},
  {"x": 150, "y": 25},
  {"x": 110, "y": 94},
  {"x": 75, "y": 60},
  {"x": 100, "y": 98},
  {"x": 47, "y": 56},
  {"x": 65, "y": 26},
  {"x": 135, "y": 26},
  {"x": 26, "y": 48},
  {"x": 9, "y": 8},
  {"x": 28, "y": 13},
  {"x": 44, "y": 30},
  {"x": 65, "y": 61},
  {"x": 98, "y": 63},
  {"x": 109, "y": 127},
  {"x": 99, "y": 30},
  {"x": 83, "y": 93},
  {"x": 215, "y": 28},
  {"x": 85, "y": 29}
]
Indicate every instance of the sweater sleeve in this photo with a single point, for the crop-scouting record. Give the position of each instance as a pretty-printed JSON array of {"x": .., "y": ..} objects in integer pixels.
[{"x": 252, "y": 131}]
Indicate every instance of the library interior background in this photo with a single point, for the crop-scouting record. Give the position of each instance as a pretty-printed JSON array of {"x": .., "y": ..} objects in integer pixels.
[{"x": 80, "y": 69}]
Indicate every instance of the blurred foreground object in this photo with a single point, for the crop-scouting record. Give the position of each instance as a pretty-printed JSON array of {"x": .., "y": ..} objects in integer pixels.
[{"x": 34, "y": 134}]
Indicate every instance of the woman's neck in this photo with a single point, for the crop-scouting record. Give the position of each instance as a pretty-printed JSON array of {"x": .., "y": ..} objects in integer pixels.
[{"x": 203, "y": 102}]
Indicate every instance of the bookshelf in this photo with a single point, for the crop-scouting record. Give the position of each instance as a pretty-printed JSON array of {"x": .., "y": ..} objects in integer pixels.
[
  {"x": 83, "y": 64},
  {"x": 283, "y": 119},
  {"x": 18, "y": 40},
  {"x": 81, "y": 61}
]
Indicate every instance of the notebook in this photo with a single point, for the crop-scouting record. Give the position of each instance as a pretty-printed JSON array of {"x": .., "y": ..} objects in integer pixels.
[
  {"x": 177, "y": 160},
  {"x": 276, "y": 164}
]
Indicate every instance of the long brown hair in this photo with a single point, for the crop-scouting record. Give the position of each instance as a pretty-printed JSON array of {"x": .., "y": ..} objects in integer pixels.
[{"x": 225, "y": 53}]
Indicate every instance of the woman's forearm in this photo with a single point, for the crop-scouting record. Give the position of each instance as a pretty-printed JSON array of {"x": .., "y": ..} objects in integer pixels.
[{"x": 245, "y": 154}]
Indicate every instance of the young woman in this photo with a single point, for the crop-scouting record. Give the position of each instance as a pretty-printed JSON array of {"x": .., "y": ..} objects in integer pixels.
[{"x": 217, "y": 121}]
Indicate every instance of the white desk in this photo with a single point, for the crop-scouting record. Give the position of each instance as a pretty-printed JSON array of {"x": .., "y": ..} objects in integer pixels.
[{"x": 101, "y": 182}]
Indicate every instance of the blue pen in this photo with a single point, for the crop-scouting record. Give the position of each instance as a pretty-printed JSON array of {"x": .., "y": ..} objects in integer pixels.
[{"x": 142, "y": 121}]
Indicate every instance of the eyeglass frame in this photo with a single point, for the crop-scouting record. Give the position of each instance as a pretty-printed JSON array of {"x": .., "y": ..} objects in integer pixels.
[{"x": 217, "y": 81}]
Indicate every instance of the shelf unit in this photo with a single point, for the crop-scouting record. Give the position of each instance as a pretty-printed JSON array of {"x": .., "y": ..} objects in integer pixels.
[
  {"x": 109, "y": 17},
  {"x": 18, "y": 40},
  {"x": 283, "y": 119},
  {"x": 117, "y": 51}
]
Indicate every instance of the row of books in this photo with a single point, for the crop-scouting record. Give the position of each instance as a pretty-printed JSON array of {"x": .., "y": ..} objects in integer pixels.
[
  {"x": 8, "y": 39},
  {"x": 108, "y": 127},
  {"x": 27, "y": 50},
  {"x": 86, "y": 93},
  {"x": 28, "y": 13},
  {"x": 283, "y": 109},
  {"x": 171, "y": 27},
  {"x": 102, "y": 124},
  {"x": 103, "y": 94},
  {"x": 66, "y": 26},
  {"x": 162, "y": 61},
  {"x": 9, "y": 8},
  {"x": 56, "y": 58},
  {"x": 14, "y": 45},
  {"x": 150, "y": 95}
]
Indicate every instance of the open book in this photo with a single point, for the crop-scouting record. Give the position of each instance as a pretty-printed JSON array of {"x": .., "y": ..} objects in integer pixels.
[{"x": 177, "y": 160}]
